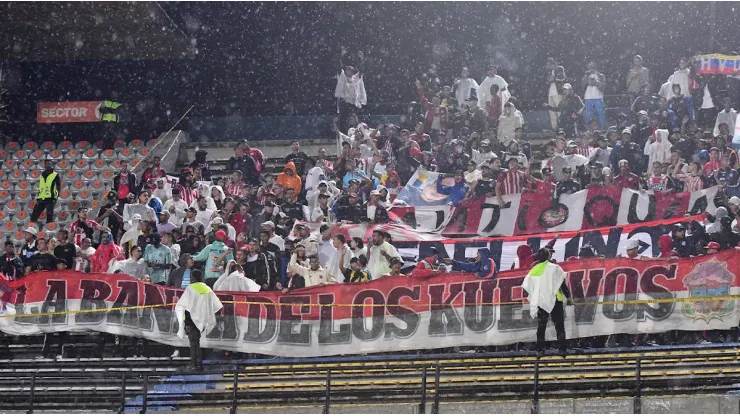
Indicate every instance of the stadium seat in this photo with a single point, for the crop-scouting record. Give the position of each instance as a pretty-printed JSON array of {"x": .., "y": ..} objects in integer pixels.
[
  {"x": 11, "y": 207},
  {"x": 136, "y": 144},
  {"x": 50, "y": 228},
  {"x": 21, "y": 217},
  {"x": 99, "y": 144},
  {"x": 116, "y": 164},
  {"x": 94, "y": 205},
  {"x": 18, "y": 238},
  {"x": 63, "y": 216},
  {"x": 20, "y": 155},
  {"x": 90, "y": 154},
  {"x": 89, "y": 175},
  {"x": 65, "y": 194},
  {"x": 84, "y": 195},
  {"x": 151, "y": 142},
  {"x": 8, "y": 227},
  {"x": 62, "y": 165},
  {"x": 72, "y": 155},
  {"x": 4, "y": 154},
  {"x": 30, "y": 146},
  {"x": 13, "y": 146},
  {"x": 96, "y": 187},
  {"x": 78, "y": 185},
  {"x": 119, "y": 144},
  {"x": 126, "y": 153},
  {"x": 99, "y": 165},
  {"x": 71, "y": 175},
  {"x": 55, "y": 154},
  {"x": 42, "y": 216},
  {"x": 23, "y": 195},
  {"x": 82, "y": 165},
  {"x": 5, "y": 195},
  {"x": 34, "y": 174},
  {"x": 37, "y": 154},
  {"x": 66, "y": 145},
  {"x": 143, "y": 152},
  {"x": 24, "y": 185},
  {"x": 74, "y": 205},
  {"x": 109, "y": 155},
  {"x": 10, "y": 165},
  {"x": 83, "y": 145},
  {"x": 135, "y": 161},
  {"x": 5, "y": 185},
  {"x": 30, "y": 205},
  {"x": 48, "y": 146},
  {"x": 29, "y": 164},
  {"x": 16, "y": 175}
]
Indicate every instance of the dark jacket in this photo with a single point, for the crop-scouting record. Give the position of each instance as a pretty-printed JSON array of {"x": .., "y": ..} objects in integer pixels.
[
  {"x": 175, "y": 279},
  {"x": 11, "y": 267},
  {"x": 260, "y": 271},
  {"x": 381, "y": 214},
  {"x": 131, "y": 183},
  {"x": 247, "y": 167}
]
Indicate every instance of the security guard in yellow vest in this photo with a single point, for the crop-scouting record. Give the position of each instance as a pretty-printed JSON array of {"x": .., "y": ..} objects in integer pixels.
[
  {"x": 49, "y": 185},
  {"x": 108, "y": 111}
]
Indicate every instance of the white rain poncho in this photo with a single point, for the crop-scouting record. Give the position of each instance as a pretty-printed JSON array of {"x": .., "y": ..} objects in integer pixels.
[
  {"x": 542, "y": 284},
  {"x": 202, "y": 304},
  {"x": 235, "y": 281},
  {"x": 351, "y": 90}
]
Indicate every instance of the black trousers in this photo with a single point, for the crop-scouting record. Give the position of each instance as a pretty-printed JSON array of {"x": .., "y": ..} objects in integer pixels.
[
  {"x": 196, "y": 357},
  {"x": 558, "y": 318},
  {"x": 41, "y": 205}
]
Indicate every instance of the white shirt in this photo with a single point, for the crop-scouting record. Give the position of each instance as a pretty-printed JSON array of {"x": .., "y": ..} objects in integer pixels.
[
  {"x": 473, "y": 176},
  {"x": 463, "y": 89},
  {"x": 313, "y": 177},
  {"x": 204, "y": 217},
  {"x": 278, "y": 241},
  {"x": 180, "y": 208},
  {"x": 326, "y": 250},
  {"x": 659, "y": 150},
  {"x": 377, "y": 263},
  {"x": 727, "y": 117},
  {"x": 706, "y": 102},
  {"x": 311, "y": 277},
  {"x": 593, "y": 93},
  {"x": 334, "y": 268},
  {"x": 479, "y": 157}
]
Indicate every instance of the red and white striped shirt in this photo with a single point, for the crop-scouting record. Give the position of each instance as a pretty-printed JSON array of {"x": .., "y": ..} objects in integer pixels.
[
  {"x": 188, "y": 194},
  {"x": 658, "y": 183},
  {"x": 78, "y": 232},
  {"x": 512, "y": 182},
  {"x": 584, "y": 151},
  {"x": 234, "y": 189},
  {"x": 691, "y": 183}
]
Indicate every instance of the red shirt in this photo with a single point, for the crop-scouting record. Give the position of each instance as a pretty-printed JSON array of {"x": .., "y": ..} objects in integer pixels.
[
  {"x": 259, "y": 158},
  {"x": 512, "y": 182},
  {"x": 630, "y": 180},
  {"x": 78, "y": 232},
  {"x": 710, "y": 167},
  {"x": 240, "y": 223},
  {"x": 235, "y": 189}
]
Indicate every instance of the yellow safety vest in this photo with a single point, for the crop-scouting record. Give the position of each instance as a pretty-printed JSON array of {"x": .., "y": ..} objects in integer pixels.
[{"x": 45, "y": 187}]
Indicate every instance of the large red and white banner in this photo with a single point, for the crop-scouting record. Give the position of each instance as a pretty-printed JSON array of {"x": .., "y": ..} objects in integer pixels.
[
  {"x": 393, "y": 313},
  {"x": 536, "y": 213},
  {"x": 69, "y": 112}
]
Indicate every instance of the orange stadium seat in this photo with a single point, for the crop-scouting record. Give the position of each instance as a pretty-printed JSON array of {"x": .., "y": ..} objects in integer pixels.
[
  {"x": 126, "y": 153},
  {"x": 19, "y": 155},
  {"x": 84, "y": 195},
  {"x": 9, "y": 165},
  {"x": 90, "y": 154},
  {"x": 78, "y": 185},
  {"x": 4, "y": 196},
  {"x": 13, "y": 146},
  {"x": 16, "y": 175},
  {"x": 23, "y": 195},
  {"x": 34, "y": 174},
  {"x": 30, "y": 146},
  {"x": 151, "y": 142},
  {"x": 5, "y": 185},
  {"x": 119, "y": 144},
  {"x": 94, "y": 205},
  {"x": 63, "y": 216},
  {"x": 99, "y": 144},
  {"x": 73, "y": 154},
  {"x": 24, "y": 185},
  {"x": 51, "y": 228},
  {"x": 96, "y": 185},
  {"x": 42, "y": 217},
  {"x": 116, "y": 164},
  {"x": 30, "y": 205},
  {"x": 11, "y": 207},
  {"x": 136, "y": 144},
  {"x": 21, "y": 216},
  {"x": 65, "y": 145},
  {"x": 74, "y": 205},
  {"x": 71, "y": 175},
  {"x": 65, "y": 194},
  {"x": 28, "y": 164},
  {"x": 144, "y": 151},
  {"x": 8, "y": 227},
  {"x": 98, "y": 165},
  {"x": 55, "y": 154},
  {"x": 3, "y": 175},
  {"x": 4, "y": 154},
  {"x": 134, "y": 162},
  {"x": 48, "y": 145},
  {"x": 63, "y": 165},
  {"x": 37, "y": 154},
  {"x": 81, "y": 165},
  {"x": 18, "y": 236},
  {"x": 83, "y": 145},
  {"x": 109, "y": 155},
  {"x": 107, "y": 175},
  {"x": 89, "y": 175}
]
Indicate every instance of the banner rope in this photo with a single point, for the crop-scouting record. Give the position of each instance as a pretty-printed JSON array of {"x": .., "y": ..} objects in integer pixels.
[{"x": 350, "y": 305}]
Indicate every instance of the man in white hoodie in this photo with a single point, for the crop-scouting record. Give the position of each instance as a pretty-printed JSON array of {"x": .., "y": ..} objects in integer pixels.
[
  {"x": 484, "y": 91},
  {"x": 657, "y": 147},
  {"x": 727, "y": 116}
]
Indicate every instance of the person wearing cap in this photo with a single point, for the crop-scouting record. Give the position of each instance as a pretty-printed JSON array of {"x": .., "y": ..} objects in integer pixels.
[
  {"x": 711, "y": 248},
  {"x": 322, "y": 212},
  {"x": 29, "y": 247},
  {"x": 641, "y": 131},
  {"x": 349, "y": 209},
  {"x": 686, "y": 245},
  {"x": 547, "y": 291},
  {"x": 514, "y": 152},
  {"x": 555, "y": 78},
  {"x": 269, "y": 226},
  {"x": 593, "y": 82},
  {"x": 728, "y": 117},
  {"x": 49, "y": 186},
  {"x": 733, "y": 205},
  {"x": 567, "y": 185},
  {"x": 511, "y": 119},
  {"x": 375, "y": 211},
  {"x": 569, "y": 108},
  {"x": 628, "y": 150},
  {"x": 472, "y": 173},
  {"x": 428, "y": 266},
  {"x": 485, "y": 95},
  {"x": 215, "y": 256},
  {"x": 164, "y": 225},
  {"x": 133, "y": 266},
  {"x": 667, "y": 116},
  {"x": 602, "y": 152},
  {"x": 483, "y": 153},
  {"x": 291, "y": 207},
  {"x": 396, "y": 265},
  {"x": 625, "y": 178}
]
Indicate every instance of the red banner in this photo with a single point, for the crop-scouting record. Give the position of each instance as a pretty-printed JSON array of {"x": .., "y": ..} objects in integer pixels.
[
  {"x": 69, "y": 112},
  {"x": 393, "y": 313}
]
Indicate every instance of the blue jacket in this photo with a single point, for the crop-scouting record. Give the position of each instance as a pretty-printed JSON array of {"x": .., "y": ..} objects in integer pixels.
[
  {"x": 456, "y": 192},
  {"x": 485, "y": 268}
]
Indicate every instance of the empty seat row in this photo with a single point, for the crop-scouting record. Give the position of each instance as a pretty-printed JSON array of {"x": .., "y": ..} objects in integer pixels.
[
  {"x": 72, "y": 155},
  {"x": 80, "y": 145}
]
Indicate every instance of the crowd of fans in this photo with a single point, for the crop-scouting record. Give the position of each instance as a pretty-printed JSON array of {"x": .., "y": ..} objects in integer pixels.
[{"x": 246, "y": 231}]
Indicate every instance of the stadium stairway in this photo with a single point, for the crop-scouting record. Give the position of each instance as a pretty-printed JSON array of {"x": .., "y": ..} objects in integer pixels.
[{"x": 409, "y": 383}]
